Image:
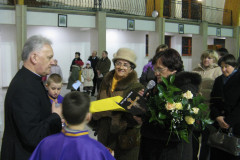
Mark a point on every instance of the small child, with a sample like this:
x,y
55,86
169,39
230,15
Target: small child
x,y
54,86
88,76
73,142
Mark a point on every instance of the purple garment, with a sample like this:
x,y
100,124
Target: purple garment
x,y
71,146
145,68
59,99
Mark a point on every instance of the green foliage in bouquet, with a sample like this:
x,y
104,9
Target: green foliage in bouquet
x,y
177,110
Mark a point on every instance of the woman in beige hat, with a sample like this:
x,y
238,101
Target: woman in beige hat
x,y
118,130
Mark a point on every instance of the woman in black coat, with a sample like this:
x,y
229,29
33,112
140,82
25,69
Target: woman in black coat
x,y
155,142
225,103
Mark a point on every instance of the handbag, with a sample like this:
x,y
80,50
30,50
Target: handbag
x,y
225,141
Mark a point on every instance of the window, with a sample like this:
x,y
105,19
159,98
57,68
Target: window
x,y
186,46
167,8
191,9
220,42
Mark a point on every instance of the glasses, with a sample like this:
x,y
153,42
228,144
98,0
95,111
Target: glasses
x,y
159,70
125,65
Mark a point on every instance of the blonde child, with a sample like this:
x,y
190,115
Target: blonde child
x,y
54,86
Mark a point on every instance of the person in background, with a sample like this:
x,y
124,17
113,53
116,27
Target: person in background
x,y
55,69
155,141
29,115
221,52
88,77
225,103
76,59
54,87
209,71
113,125
148,73
102,68
73,142
74,75
94,60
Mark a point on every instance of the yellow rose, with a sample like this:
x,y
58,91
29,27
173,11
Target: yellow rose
x,y
178,106
189,120
188,95
170,106
195,110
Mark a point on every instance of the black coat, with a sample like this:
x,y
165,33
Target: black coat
x,y
103,65
154,137
94,62
225,101
28,116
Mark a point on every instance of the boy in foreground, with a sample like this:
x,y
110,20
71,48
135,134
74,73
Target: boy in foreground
x,y
73,142
54,87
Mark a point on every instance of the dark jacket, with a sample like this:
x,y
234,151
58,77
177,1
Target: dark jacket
x,y
185,81
94,62
28,116
103,65
225,101
73,77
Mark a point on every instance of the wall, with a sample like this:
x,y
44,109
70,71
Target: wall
x,y
134,40
8,55
66,41
81,35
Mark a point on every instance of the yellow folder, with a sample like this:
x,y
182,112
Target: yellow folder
x,y
107,104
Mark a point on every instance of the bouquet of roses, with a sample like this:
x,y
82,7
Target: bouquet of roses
x,y
177,110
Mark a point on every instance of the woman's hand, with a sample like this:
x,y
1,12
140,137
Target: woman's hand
x,y
138,119
221,122
141,92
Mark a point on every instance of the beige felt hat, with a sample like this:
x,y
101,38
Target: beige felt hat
x,y
125,54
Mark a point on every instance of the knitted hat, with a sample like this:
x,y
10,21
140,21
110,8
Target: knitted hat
x,y
125,54
88,62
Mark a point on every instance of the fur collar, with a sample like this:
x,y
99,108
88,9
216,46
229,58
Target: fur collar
x,y
122,84
188,81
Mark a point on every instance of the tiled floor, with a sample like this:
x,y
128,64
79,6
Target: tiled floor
x,y
2,97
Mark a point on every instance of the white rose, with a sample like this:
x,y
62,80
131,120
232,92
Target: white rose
x,y
178,106
189,120
195,110
170,106
188,95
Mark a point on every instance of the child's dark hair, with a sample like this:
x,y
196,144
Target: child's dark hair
x,y
54,78
75,106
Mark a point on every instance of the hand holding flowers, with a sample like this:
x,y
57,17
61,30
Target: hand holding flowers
x,y
176,110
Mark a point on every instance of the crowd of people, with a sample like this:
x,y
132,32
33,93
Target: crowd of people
x,y
41,124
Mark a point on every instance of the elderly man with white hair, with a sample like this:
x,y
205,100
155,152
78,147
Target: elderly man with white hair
x,y
29,115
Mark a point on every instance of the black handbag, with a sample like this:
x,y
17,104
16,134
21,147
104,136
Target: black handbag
x,y
225,141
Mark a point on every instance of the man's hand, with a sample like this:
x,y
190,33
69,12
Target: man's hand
x,y
57,109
